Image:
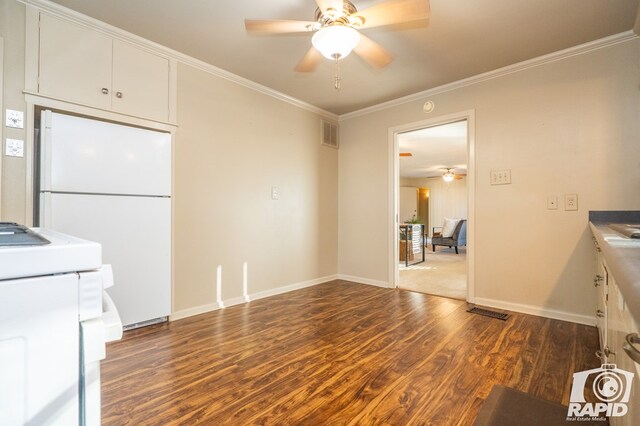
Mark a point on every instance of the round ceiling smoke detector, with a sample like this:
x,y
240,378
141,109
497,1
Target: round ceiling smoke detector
x,y
428,107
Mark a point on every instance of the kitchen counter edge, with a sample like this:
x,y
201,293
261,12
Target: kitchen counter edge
x,y
624,265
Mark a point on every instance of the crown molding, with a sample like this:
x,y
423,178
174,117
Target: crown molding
x,y
510,69
110,30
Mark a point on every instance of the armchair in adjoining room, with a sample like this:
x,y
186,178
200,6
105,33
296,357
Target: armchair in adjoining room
x,y
457,239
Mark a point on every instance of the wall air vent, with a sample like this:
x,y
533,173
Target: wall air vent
x,y
329,134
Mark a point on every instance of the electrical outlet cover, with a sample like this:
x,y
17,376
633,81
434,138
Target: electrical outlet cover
x,y
571,202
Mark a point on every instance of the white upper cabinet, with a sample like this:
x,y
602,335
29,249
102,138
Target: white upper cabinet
x,y
75,63
140,81
82,65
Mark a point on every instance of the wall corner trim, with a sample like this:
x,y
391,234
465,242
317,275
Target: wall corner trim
x,y
202,309
110,30
509,69
538,311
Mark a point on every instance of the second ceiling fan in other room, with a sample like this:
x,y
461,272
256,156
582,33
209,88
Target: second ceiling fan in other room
x,y
336,30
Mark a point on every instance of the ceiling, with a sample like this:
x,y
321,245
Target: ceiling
x,y
434,150
463,38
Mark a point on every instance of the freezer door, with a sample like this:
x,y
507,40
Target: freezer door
x,y
90,156
135,233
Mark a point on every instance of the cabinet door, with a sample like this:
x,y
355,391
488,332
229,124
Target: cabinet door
x,y
75,62
140,82
622,324
626,363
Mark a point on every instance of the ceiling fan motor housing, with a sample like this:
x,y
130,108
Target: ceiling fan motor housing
x,y
347,16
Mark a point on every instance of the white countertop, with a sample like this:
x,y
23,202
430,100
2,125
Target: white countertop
x,y
623,257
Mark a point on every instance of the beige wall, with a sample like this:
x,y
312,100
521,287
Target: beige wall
x,y
569,126
12,21
232,146
566,127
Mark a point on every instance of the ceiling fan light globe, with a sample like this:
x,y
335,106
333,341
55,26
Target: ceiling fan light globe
x,y
336,41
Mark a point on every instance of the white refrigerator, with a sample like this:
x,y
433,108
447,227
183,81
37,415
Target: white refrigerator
x,y
111,183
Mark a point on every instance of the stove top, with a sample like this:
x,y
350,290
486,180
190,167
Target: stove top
x,y
13,234
55,253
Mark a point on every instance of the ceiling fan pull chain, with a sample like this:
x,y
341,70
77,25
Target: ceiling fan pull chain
x,y
336,84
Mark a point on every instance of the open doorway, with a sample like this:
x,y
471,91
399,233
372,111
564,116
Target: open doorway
x,y
432,194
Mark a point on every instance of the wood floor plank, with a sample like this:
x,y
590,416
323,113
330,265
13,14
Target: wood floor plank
x,y
337,353
555,358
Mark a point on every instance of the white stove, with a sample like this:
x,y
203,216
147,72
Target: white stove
x,y
55,319
63,253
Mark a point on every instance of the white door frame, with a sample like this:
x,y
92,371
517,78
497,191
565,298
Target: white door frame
x,y
394,183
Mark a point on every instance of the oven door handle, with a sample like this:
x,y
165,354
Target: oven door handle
x,y
110,319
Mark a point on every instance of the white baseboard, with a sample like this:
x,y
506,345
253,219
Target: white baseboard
x,y
288,288
233,301
536,310
362,280
197,310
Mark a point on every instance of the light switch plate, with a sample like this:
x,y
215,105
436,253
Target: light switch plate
x,y
14,148
14,119
500,177
552,202
275,192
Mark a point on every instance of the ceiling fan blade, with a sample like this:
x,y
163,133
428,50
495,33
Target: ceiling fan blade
x,y
394,12
372,52
279,26
310,61
330,4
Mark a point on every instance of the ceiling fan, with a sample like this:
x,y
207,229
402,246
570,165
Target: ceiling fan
x,y
449,175
337,28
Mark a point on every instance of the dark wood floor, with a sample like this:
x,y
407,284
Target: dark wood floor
x,y
338,353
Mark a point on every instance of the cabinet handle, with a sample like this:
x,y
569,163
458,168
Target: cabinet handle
x,y
597,280
599,313
119,95
607,351
595,242
631,350
105,91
